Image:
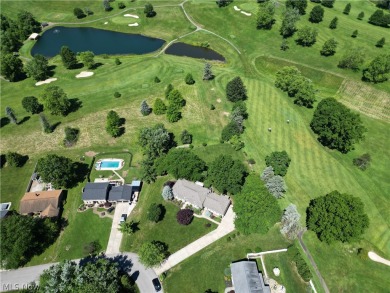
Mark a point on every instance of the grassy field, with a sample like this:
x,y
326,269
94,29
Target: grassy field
x,y
168,230
314,170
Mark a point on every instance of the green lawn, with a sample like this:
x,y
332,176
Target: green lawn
x,y
168,230
314,170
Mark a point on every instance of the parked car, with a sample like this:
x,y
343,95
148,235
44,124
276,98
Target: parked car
x,y
123,218
156,284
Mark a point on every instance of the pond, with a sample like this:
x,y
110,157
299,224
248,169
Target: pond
x,y
182,49
96,40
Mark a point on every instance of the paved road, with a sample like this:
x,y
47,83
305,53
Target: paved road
x,y
306,250
20,278
114,242
225,227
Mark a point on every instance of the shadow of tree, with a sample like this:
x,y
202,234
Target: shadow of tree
x,y
54,126
75,104
4,121
51,70
2,161
25,119
97,65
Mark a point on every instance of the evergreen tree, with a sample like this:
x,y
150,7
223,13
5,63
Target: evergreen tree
x,y
185,137
207,73
149,10
316,14
347,9
235,90
106,5
46,127
189,79
267,174
328,3
290,222
167,193
159,107
11,115
333,23
380,43
329,47
276,186
157,80
78,12
361,15
168,90
113,124
284,46
68,57
380,18
354,34
145,109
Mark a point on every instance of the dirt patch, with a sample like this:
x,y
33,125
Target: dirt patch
x,y
226,113
90,154
219,100
124,173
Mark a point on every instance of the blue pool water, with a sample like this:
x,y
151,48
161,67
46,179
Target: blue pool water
x,y
109,164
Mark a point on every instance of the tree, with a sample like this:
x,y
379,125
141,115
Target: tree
x,y
149,10
305,94
149,174
11,67
347,9
182,163
279,162
307,36
207,73
186,137
145,109
362,162
267,174
378,69
11,115
176,100
290,222
276,186
106,5
26,24
167,193
380,43
337,127
117,61
78,12
337,217
328,3
113,124
231,129
235,90
297,4
226,174
329,47
159,107
31,105
380,18
284,46
354,34
173,114
38,68
185,216
223,3
256,209
316,14
152,253
168,90
384,4
46,127
286,76
68,57
22,237
303,269
189,79
352,59
265,15
56,101
57,170
87,58
128,227
121,5
155,212
290,18
71,136
155,140
14,159
360,15
333,23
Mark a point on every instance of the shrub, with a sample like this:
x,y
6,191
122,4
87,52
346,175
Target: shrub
x,y
329,47
212,107
78,12
204,144
251,161
362,162
71,136
157,80
117,61
185,216
14,159
117,95
354,34
145,109
46,127
362,253
189,79
361,15
155,212
302,267
380,43
149,10
186,137
121,5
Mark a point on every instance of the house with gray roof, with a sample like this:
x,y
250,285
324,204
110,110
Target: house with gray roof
x,y
102,192
95,192
247,279
120,193
200,197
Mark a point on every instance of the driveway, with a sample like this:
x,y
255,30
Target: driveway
x,y
225,227
115,239
20,278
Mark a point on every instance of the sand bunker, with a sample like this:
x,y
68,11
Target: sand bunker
x,y
133,24
131,15
106,22
236,8
84,74
373,256
246,13
49,80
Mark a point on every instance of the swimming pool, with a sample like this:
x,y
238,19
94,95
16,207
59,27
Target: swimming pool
x,y
109,164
